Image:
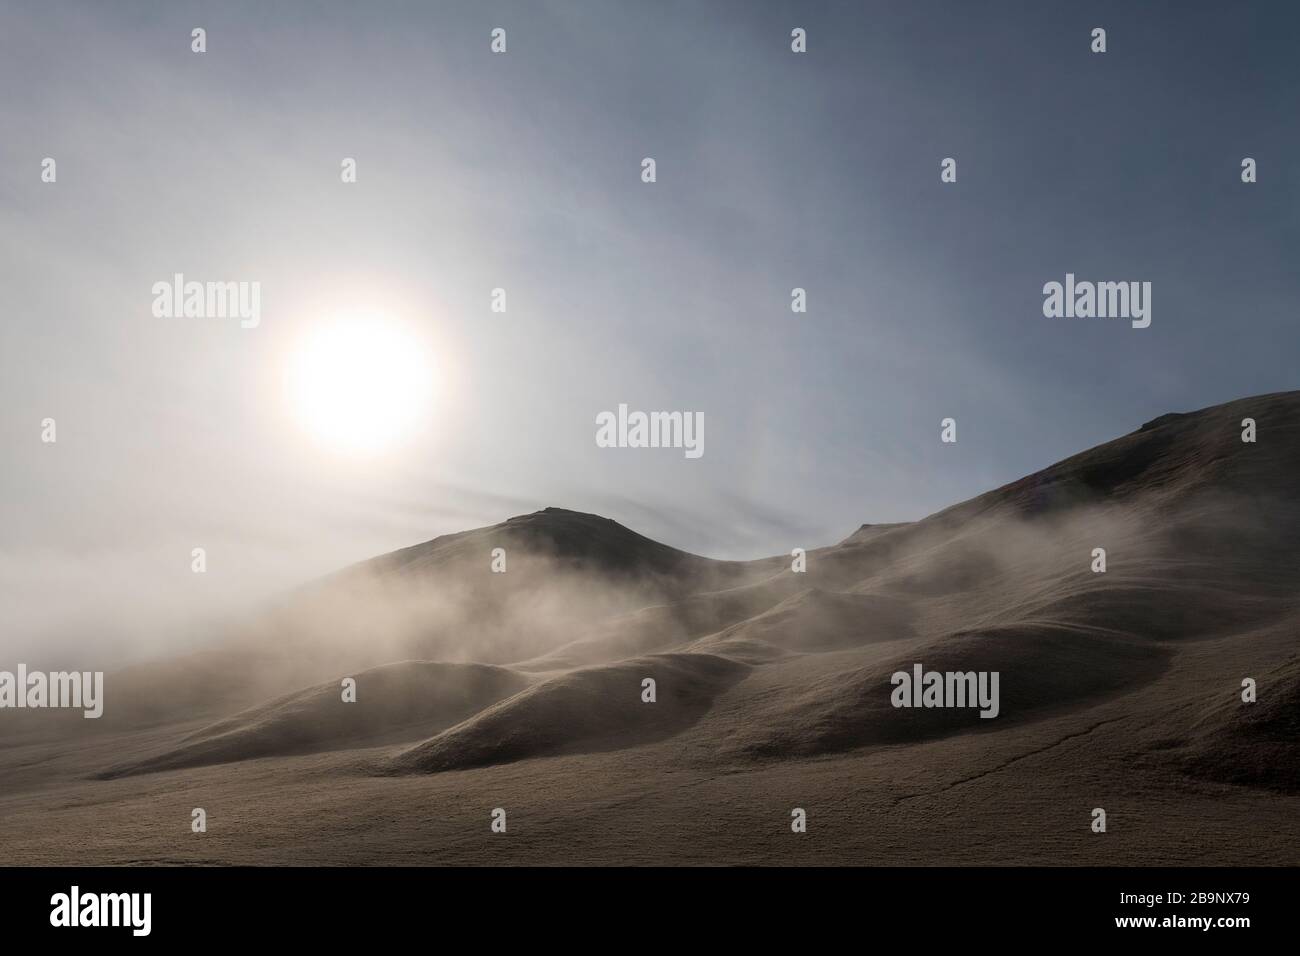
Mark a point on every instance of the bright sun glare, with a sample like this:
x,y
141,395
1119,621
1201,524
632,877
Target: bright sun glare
x,y
360,384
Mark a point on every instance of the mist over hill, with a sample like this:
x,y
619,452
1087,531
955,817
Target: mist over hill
x,y
567,667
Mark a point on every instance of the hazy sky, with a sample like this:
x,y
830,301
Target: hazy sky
x,y
522,171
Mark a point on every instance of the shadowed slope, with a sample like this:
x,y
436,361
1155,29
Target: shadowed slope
x,y
1042,669
1253,744
583,711
396,701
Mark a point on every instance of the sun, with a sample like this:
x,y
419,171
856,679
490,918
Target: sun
x,y
359,385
